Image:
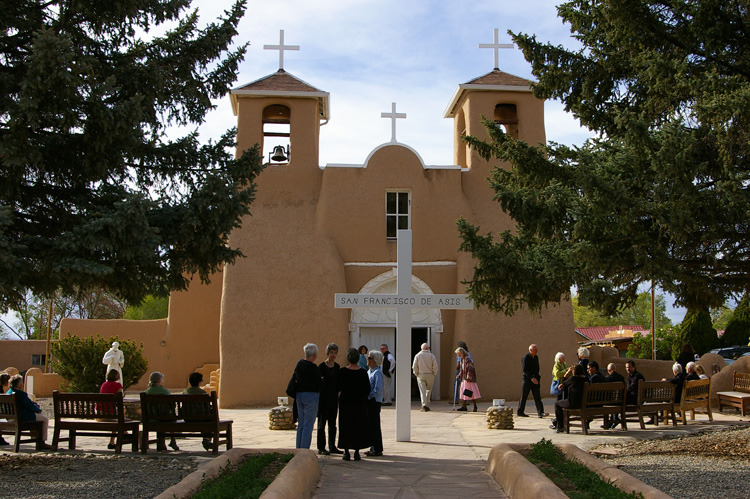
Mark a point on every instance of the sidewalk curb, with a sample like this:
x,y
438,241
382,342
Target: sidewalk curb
x,y
522,480
296,480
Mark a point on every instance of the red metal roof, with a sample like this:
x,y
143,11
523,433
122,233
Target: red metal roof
x,y
597,333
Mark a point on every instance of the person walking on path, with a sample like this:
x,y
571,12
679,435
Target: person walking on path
x,y
309,383
328,405
530,382
425,368
389,371
457,381
374,361
469,390
354,388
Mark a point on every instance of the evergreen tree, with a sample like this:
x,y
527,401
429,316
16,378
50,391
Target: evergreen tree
x,y
93,191
738,327
696,330
661,193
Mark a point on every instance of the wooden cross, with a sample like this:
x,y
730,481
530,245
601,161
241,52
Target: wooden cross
x,y
403,301
496,46
281,48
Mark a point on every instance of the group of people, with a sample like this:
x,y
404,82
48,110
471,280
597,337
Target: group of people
x,y
352,392
571,381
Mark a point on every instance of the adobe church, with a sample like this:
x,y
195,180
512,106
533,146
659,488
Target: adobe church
x,y
317,230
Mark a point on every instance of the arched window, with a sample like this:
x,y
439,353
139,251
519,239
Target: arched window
x,y
507,117
277,134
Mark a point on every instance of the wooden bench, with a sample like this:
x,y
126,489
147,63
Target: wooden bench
x,y
92,415
186,416
10,424
739,397
654,397
696,394
599,399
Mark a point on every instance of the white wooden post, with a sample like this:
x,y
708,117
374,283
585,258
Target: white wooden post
x,y
403,301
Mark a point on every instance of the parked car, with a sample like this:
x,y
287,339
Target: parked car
x,y
730,354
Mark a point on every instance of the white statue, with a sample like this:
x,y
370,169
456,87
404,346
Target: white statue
x,y
114,359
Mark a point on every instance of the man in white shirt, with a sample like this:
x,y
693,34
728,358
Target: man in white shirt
x,y
425,368
389,371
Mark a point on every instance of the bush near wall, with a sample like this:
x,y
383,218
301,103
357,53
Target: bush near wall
x,y
79,362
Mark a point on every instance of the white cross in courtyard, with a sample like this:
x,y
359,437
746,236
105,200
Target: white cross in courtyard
x,y
393,115
496,46
403,301
281,48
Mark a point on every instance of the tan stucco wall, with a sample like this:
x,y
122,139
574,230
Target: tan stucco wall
x,y
17,353
44,383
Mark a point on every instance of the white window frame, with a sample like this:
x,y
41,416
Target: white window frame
x,y
397,214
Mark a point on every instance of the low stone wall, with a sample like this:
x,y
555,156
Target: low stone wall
x,y
296,481
523,480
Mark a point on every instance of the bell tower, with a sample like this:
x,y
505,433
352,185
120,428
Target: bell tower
x,y
283,115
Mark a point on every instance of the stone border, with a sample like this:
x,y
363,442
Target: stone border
x,y
296,480
523,480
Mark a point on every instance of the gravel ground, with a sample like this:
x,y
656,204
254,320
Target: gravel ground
x,y
710,464
83,476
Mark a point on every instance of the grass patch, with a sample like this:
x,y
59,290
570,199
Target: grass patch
x,y
572,477
246,479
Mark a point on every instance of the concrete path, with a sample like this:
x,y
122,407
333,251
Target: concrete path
x,y
447,453
445,458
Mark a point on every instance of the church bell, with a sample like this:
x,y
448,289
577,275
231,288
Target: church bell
x,y
279,155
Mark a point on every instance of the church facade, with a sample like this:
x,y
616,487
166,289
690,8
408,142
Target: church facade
x,y
320,230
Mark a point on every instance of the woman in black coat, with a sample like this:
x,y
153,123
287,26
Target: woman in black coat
x,y
354,388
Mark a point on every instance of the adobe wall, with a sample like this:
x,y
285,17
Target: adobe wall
x,y
44,383
17,353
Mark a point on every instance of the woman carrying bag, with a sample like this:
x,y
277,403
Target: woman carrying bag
x,y
468,376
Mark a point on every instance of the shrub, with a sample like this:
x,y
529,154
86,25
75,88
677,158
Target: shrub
x,y
79,362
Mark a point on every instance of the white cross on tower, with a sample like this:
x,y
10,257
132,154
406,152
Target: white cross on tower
x,y
496,46
403,301
393,115
281,48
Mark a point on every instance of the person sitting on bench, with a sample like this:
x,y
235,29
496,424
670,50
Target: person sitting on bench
x,y
28,410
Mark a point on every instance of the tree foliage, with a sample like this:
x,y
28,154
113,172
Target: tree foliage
x,y
738,328
94,193
661,193
666,339
696,330
31,314
637,314
79,362
720,316
152,307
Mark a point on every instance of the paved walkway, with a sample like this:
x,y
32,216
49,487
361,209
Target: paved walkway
x,y
445,458
447,453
